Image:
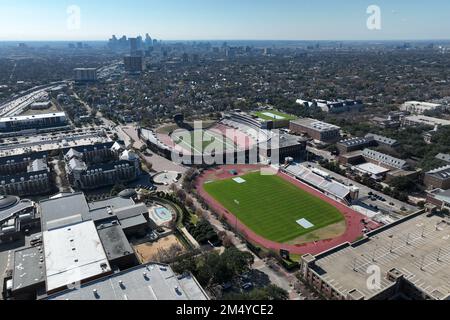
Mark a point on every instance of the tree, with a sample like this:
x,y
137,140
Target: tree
x,y
117,189
185,265
239,261
276,293
269,293
213,268
403,184
181,195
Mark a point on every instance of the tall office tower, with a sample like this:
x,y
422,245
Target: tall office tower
x,y
134,64
267,51
133,45
148,40
112,43
85,74
139,42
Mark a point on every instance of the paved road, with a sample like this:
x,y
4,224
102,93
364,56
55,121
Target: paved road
x,y
159,163
16,106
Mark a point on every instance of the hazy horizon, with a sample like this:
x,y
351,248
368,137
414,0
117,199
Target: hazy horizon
x,y
220,20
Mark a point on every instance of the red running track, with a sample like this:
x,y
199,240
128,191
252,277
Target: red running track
x,y
353,219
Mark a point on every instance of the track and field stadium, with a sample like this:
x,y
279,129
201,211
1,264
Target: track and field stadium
x,y
235,137
278,211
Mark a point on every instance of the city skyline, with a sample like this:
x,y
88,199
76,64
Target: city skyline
x,y
51,20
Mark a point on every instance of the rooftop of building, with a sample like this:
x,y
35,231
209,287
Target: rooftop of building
x,y
23,176
440,173
372,169
106,166
316,124
97,146
34,117
422,104
442,195
70,208
22,158
145,282
384,158
43,143
29,268
73,253
132,215
351,142
418,248
444,157
284,141
38,165
114,203
12,205
381,139
428,120
62,210
114,241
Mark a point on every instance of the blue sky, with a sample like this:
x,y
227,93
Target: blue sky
x,y
225,19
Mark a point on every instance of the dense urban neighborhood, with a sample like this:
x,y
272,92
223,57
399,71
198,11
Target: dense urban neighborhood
x,y
141,169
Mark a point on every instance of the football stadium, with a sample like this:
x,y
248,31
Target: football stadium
x,y
235,136
197,141
278,211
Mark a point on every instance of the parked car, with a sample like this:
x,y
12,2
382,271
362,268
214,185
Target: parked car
x,y
247,286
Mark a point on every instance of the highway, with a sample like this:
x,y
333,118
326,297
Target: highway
x,y
18,105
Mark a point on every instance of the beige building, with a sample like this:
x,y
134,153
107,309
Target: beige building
x,y
409,259
317,130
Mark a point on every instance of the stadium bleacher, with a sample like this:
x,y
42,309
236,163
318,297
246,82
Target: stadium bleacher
x,y
328,187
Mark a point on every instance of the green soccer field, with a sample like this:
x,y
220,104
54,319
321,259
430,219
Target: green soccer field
x,y
271,206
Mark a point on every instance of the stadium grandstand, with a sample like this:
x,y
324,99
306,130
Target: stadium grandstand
x,y
248,125
329,187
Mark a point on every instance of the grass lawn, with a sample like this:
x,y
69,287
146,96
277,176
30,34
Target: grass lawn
x,y
199,140
271,206
274,115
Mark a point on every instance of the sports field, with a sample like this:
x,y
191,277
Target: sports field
x,y
273,207
274,115
196,141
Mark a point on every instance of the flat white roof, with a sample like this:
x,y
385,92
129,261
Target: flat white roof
x,y
428,120
72,254
372,168
32,117
422,104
